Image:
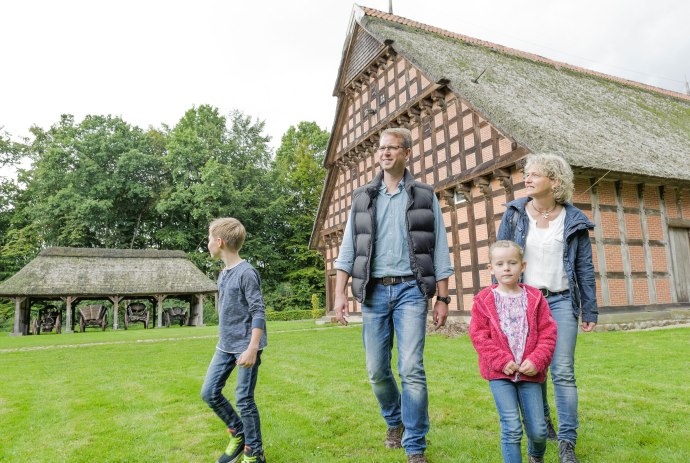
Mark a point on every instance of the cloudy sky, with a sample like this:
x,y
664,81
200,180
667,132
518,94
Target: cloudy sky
x,y
149,61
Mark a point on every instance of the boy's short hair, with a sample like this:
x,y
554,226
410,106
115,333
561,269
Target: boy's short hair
x,y
230,230
506,244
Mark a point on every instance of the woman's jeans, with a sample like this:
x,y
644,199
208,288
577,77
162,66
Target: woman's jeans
x,y
563,368
398,311
247,422
511,399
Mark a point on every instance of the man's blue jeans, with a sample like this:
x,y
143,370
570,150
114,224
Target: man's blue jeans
x,y
398,311
563,368
247,422
511,399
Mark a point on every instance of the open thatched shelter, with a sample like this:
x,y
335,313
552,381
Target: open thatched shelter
x,y
74,274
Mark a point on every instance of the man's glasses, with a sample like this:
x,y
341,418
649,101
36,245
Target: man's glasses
x,y
382,149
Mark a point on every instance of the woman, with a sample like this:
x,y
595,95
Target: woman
x,y
555,236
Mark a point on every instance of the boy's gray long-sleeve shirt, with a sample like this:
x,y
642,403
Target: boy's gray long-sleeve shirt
x,y
240,308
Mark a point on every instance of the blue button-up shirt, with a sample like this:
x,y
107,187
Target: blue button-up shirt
x,y
391,251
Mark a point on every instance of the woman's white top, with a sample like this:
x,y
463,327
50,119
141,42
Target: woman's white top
x,y
544,255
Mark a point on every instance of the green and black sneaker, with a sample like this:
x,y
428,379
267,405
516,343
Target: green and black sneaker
x,y
234,451
253,456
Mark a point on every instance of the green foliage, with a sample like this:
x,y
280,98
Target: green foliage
x,y
298,177
6,316
287,315
104,183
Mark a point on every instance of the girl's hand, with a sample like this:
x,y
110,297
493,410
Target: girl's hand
x,y
528,368
510,368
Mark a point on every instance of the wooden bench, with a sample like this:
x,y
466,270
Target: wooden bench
x,y
93,315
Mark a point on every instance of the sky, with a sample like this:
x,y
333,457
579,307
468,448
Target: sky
x,y
149,61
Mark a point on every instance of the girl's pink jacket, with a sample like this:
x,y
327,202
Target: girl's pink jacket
x,y
492,345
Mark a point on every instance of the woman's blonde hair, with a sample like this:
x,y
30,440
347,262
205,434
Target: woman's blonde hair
x,y
557,169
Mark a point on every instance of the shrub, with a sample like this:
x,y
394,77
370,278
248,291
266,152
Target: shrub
x,y
285,315
6,316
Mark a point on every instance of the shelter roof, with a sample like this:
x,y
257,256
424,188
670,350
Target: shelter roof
x,y
103,272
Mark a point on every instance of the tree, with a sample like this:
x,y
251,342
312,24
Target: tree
x,y
90,185
218,167
298,175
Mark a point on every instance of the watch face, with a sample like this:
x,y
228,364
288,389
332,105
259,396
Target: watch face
x,y
444,299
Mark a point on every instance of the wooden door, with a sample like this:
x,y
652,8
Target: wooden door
x,y
680,255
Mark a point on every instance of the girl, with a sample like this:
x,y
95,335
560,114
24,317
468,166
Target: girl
x,y
515,336
555,237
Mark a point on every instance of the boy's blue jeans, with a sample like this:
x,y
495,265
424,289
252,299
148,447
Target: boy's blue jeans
x,y
247,422
563,368
511,399
398,311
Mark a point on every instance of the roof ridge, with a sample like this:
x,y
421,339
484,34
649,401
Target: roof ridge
x,y
110,252
513,51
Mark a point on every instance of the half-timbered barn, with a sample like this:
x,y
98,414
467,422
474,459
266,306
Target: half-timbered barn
x,y
72,275
476,109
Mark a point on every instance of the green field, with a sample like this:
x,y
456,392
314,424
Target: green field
x,y
133,396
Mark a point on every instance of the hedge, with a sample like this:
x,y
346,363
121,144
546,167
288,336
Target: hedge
x,y
285,315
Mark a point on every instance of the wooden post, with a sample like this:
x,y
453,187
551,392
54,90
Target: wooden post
x,y
667,243
116,303
449,196
625,250
199,315
649,267
21,322
159,319
599,243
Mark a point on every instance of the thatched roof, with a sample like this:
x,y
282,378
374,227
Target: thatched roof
x,y
107,272
593,120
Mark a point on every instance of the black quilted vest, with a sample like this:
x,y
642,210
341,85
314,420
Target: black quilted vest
x,y
420,233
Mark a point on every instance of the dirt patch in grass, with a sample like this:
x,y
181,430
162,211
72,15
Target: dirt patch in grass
x,y
452,329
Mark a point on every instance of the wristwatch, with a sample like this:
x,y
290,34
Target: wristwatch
x,y
445,299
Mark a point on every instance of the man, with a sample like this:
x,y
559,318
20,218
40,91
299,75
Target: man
x,y
396,250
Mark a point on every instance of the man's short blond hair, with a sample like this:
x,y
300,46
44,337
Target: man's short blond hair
x,y
402,134
230,230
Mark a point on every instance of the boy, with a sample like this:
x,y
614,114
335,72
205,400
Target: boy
x,y
242,336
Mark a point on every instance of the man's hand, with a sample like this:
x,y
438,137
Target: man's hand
x,y
588,326
440,314
341,308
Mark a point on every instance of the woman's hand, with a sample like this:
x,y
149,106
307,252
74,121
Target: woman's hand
x,y
588,326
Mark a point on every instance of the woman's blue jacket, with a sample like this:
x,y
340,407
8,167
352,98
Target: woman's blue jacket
x,y
577,252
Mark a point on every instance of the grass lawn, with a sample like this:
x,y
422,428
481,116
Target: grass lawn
x,y
133,396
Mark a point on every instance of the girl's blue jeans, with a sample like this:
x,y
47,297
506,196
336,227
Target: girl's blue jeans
x,y
563,368
512,399
398,311
247,421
